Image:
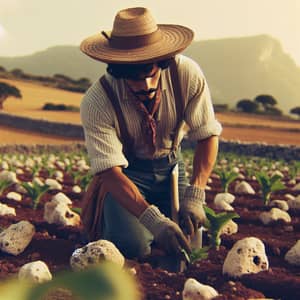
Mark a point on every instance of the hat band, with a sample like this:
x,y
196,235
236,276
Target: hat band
x,y
131,42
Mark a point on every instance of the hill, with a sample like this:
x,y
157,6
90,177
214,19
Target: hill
x,y
236,68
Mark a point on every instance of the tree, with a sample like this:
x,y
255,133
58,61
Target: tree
x,y
247,105
296,111
7,90
266,101
275,111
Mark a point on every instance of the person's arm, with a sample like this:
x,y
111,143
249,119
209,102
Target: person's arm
x,y
167,234
124,190
106,157
204,160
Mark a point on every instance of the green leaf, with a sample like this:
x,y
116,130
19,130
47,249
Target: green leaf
x,y
105,281
198,254
77,210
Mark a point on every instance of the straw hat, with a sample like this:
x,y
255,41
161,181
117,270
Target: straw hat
x,y
136,38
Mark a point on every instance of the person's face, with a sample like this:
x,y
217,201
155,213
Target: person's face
x,y
146,84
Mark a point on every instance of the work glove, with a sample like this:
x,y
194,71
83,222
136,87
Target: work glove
x,y
191,212
166,233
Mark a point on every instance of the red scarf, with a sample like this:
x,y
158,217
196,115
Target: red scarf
x,y
149,115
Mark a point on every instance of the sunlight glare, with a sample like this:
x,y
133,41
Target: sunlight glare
x,y
2,32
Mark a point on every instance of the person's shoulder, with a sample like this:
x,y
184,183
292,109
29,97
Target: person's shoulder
x,y
95,93
187,67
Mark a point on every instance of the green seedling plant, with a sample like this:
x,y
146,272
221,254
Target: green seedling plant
x,y
82,180
35,192
4,184
269,184
294,170
196,254
103,281
226,177
214,223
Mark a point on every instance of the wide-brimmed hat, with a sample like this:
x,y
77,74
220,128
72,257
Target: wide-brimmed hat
x,y
136,38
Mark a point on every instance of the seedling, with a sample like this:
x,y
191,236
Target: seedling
x,y
214,224
294,170
226,178
35,192
268,185
4,184
77,210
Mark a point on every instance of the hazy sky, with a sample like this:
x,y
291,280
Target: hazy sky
x,y
27,26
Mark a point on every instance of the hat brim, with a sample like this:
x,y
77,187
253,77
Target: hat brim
x,y
174,39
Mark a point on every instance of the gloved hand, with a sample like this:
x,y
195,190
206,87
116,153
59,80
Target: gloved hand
x,y
166,233
191,212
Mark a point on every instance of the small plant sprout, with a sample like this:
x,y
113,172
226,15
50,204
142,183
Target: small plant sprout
x,y
226,177
35,192
268,185
294,170
4,184
214,224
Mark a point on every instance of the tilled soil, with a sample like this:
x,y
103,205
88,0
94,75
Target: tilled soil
x,y
54,245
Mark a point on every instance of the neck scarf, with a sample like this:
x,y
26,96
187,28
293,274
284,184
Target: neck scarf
x,y
148,111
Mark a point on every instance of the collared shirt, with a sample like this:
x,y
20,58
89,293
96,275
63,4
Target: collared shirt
x,y
101,128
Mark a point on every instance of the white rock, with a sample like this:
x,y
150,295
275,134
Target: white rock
x,y
4,165
16,237
20,189
60,164
222,205
222,201
194,290
241,176
94,253
236,170
38,181
36,271
246,256
227,197
296,187
53,184
60,214
76,189
9,176
293,255
294,203
229,228
61,198
19,171
289,197
82,165
277,172
14,196
6,210
275,214
281,204
244,187
59,175
292,181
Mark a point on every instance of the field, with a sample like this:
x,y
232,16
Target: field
x,y
235,126
54,240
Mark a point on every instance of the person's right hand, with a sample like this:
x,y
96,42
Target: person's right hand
x,y
166,233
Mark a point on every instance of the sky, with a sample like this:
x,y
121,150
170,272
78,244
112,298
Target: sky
x,y
28,26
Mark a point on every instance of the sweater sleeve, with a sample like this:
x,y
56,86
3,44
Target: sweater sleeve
x,y
199,112
99,123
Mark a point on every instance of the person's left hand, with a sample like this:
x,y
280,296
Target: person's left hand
x,y
191,212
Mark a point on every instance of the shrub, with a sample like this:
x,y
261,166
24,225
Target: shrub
x,y
59,107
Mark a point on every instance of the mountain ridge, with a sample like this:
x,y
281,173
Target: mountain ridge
x,y
236,68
